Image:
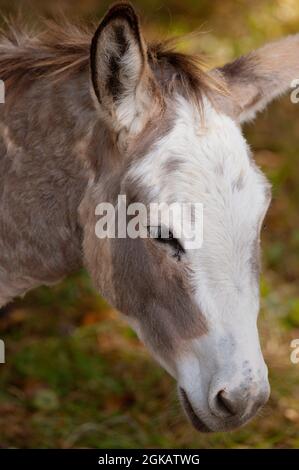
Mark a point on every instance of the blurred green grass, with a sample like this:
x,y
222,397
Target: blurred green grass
x,y
76,376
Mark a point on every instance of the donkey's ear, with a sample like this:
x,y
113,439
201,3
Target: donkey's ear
x,y
256,79
122,80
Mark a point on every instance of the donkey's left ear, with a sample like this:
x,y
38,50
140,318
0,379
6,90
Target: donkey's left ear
x,y
256,79
122,79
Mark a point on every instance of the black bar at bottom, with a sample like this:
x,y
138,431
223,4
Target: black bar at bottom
x,y
131,459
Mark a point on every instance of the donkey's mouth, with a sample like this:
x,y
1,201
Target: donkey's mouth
x,y
194,419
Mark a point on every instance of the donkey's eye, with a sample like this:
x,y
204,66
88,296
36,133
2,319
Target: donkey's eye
x,y
164,235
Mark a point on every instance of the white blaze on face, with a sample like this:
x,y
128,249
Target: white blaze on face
x,y
213,167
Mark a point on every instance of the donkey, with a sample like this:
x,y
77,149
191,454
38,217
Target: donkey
x,y
88,118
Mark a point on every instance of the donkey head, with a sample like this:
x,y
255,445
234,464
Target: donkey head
x,y
169,137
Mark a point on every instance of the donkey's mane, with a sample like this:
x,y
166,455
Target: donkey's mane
x,y
62,51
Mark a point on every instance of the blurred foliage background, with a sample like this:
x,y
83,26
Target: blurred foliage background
x,y
76,376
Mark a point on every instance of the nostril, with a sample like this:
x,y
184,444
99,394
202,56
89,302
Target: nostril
x,y
225,404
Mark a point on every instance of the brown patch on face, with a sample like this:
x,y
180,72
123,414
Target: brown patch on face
x,y
154,288
144,281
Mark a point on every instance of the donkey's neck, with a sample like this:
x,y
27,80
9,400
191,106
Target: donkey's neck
x,y
47,138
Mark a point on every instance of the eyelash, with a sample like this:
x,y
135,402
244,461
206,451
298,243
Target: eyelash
x,y
170,240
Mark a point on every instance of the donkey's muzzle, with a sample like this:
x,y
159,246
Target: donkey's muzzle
x,y
237,402
228,408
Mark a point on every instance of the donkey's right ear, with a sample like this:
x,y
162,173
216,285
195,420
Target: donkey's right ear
x,y
121,76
